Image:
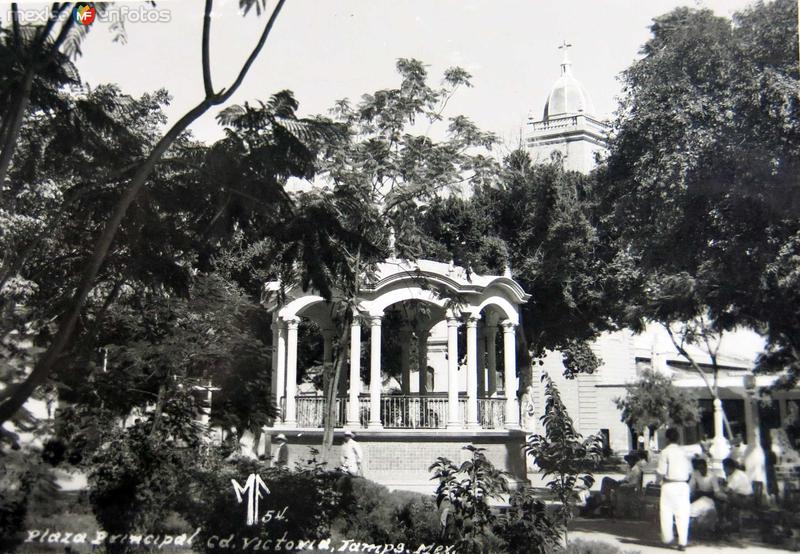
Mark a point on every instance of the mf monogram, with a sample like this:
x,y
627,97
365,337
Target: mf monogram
x,y
253,487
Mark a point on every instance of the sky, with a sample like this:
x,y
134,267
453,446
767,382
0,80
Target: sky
x,y
325,50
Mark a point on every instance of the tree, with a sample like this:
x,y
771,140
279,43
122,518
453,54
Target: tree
x,y
701,185
563,453
16,395
653,401
383,168
37,62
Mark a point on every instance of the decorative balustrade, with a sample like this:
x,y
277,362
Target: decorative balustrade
x,y
550,125
491,413
311,411
402,411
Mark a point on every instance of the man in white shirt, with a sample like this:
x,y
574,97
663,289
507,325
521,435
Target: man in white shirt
x,y
352,455
674,470
736,481
735,493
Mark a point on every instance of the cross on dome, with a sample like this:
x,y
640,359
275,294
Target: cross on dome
x,y
565,63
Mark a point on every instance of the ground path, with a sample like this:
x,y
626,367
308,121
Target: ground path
x,y
643,537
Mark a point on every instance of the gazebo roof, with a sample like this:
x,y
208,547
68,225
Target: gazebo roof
x,y
425,280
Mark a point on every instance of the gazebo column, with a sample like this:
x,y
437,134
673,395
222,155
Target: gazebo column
x,y
453,421
280,367
291,372
481,362
375,373
353,419
405,367
422,359
491,359
472,372
510,362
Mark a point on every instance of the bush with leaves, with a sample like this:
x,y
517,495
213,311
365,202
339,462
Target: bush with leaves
x,y
308,494
562,453
136,477
23,478
466,490
527,528
372,514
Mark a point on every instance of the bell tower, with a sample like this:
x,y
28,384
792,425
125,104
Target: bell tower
x,y
568,125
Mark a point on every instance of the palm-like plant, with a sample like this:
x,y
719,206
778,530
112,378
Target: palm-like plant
x,y
468,489
562,453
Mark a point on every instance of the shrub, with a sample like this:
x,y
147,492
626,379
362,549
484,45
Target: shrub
x,y
135,480
562,453
370,513
465,491
419,519
308,493
526,527
23,479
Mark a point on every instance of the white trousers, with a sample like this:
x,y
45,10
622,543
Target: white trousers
x,y
675,504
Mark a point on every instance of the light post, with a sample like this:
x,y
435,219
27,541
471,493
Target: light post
x,y
755,459
720,447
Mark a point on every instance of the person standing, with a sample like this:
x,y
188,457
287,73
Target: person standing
x,y
280,452
674,471
352,455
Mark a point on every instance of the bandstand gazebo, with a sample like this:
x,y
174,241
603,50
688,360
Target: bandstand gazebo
x,y
446,400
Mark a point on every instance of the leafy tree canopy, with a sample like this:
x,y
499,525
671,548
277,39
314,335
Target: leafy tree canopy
x,y
701,186
653,401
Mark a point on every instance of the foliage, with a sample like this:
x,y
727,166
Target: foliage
x,y
527,527
653,401
562,453
537,219
370,513
466,490
308,493
24,479
135,479
701,185
100,245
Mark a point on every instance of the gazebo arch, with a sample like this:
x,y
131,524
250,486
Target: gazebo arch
x,y
463,297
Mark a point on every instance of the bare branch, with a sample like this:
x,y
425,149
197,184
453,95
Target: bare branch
x,y
209,88
223,96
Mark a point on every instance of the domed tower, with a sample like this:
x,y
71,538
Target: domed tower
x,y
568,124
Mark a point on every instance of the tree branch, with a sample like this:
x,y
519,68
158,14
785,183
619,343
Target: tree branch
x,y
224,96
206,57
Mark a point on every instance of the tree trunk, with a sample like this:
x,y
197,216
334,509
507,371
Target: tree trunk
x,y
14,124
332,387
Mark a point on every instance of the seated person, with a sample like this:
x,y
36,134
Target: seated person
x,y
632,481
735,492
737,486
703,487
702,483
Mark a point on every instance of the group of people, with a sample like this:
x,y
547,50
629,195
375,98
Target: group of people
x,y
689,491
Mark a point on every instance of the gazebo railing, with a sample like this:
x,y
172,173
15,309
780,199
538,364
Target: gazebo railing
x,y
311,411
491,413
402,411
